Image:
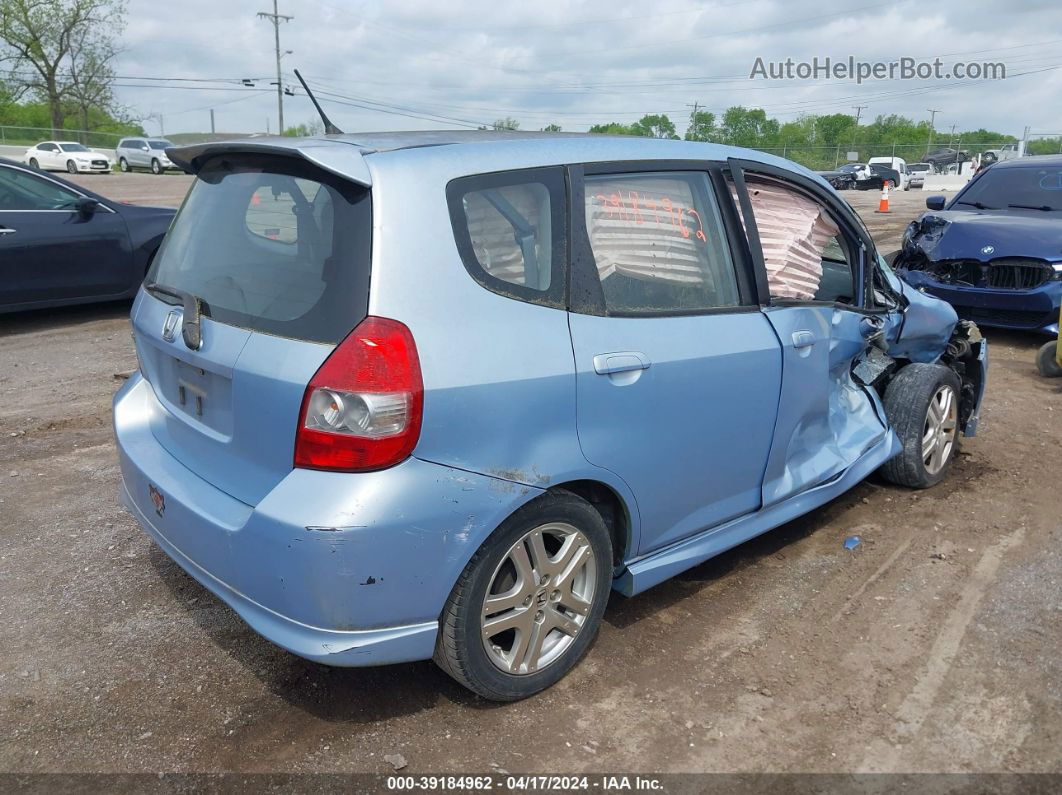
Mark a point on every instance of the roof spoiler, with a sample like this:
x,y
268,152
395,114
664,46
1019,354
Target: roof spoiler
x,y
342,158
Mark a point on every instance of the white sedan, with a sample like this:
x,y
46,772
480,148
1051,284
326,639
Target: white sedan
x,y
68,156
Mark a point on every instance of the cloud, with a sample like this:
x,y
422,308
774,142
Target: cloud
x,y
414,64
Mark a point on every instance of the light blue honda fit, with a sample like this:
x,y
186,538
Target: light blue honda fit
x,y
435,395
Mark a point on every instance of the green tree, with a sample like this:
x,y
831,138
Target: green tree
x,y
701,127
613,128
553,127
655,126
748,127
57,48
508,123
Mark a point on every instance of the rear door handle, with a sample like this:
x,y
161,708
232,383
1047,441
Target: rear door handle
x,y
620,362
6,231
803,339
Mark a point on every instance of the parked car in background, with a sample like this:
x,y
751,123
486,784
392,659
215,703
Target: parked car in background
x,y
900,177
886,174
839,180
69,156
147,153
865,179
918,172
62,244
995,250
941,158
665,348
1005,152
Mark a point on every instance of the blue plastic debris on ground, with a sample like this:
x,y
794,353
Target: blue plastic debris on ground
x,y
852,542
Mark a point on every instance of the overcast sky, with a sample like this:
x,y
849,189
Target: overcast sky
x,y
578,62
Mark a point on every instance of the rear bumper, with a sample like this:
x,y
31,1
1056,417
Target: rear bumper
x,y
343,569
333,647
1027,310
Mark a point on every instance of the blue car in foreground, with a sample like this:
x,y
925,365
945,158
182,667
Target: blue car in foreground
x,y
994,252
435,395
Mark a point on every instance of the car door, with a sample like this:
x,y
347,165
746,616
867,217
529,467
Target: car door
x,y
677,370
812,258
140,156
44,155
49,250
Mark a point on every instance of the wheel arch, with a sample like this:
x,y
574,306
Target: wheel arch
x,y
614,511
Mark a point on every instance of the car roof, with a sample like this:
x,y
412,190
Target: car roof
x,y
1032,161
465,147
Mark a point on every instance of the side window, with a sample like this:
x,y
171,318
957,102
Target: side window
x,y
658,243
510,232
47,147
22,191
807,256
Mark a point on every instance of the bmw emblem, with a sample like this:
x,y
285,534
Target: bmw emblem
x,y
988,249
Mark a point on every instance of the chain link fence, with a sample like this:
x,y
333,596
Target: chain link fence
x,y
18,136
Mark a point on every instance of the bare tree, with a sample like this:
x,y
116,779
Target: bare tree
x,y
48,42
91,74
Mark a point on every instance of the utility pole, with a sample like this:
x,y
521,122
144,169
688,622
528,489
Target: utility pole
x,y
859,112
932,119
276,18
693,118
211,121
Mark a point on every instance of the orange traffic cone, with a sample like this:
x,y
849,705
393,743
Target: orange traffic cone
x,y
883,203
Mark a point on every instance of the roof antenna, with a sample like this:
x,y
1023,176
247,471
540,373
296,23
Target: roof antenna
x,y
330,129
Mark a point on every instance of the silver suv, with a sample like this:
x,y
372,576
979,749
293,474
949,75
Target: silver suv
x,y
144,153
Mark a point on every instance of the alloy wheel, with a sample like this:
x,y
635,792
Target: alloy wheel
x,y
539,598
938,436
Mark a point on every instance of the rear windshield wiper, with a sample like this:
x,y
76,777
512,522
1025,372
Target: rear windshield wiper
x,y
1043,207
193,307
978,205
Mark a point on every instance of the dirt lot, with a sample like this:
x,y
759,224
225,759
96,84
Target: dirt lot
x,y
933,646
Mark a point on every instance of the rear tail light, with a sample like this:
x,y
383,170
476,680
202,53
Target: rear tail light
x,y
362,409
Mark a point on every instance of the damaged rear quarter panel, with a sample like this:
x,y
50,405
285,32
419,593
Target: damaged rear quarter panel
x,y
390,544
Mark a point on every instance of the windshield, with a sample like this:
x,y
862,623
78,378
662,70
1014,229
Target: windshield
x,y
159,144
850,168
274,245
74,148
999,187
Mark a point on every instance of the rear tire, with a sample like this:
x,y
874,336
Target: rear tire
x,y
565,583
71,167
922,404
34,164
156,167
123,166
1047,360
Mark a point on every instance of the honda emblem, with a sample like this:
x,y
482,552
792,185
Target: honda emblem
x,y
169,328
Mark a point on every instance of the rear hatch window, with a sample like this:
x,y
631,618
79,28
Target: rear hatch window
x,y
278,252
273,245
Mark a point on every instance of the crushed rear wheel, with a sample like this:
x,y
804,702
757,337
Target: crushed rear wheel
x,y
922,404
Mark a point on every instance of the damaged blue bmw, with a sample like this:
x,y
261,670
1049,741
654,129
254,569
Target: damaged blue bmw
x,y
435,395
995,251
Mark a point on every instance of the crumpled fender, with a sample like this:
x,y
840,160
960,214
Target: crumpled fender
x,y
922,332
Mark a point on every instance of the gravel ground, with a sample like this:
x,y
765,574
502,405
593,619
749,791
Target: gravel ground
x,y
933,646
